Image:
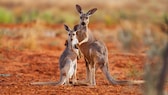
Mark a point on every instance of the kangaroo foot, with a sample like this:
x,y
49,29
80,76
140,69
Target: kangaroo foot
x,y
81,83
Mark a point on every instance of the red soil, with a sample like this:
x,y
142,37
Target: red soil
x,y
26,66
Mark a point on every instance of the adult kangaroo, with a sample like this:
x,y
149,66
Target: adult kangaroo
x,y
95,51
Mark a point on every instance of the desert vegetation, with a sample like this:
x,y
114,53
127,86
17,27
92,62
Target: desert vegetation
x,y
32,38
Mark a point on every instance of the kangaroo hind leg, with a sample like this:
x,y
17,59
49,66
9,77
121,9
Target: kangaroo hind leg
x,y
74,79
88,71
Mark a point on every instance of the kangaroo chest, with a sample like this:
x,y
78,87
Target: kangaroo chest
x,y
85,49
81,36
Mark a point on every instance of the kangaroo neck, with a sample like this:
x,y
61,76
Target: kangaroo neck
x,y
84,28
85,32
71,46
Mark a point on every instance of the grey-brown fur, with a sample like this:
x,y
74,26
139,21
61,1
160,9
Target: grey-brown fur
x,y
95,52
67,61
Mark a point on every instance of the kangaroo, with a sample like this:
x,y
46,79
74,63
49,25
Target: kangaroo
x,y
95,52
67,61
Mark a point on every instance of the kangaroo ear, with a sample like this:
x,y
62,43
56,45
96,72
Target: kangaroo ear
x,y
78,8
66,28
76,27
90,12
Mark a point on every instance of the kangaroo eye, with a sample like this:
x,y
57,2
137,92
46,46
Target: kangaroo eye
x,y
86,17
80,17
69,34
73,34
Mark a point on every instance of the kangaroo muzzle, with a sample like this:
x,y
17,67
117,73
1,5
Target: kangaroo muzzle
x,y
83,23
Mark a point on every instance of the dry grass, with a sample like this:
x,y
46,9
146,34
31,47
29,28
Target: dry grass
x,y
59,12
122,14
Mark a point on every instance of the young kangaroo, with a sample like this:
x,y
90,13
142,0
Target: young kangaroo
x,y
95,52
67,61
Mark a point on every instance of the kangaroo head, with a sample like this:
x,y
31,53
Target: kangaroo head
x,y
84,17
71,34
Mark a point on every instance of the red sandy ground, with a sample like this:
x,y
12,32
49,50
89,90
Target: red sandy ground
x,y
28,66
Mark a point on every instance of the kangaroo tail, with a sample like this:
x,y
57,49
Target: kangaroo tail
x,y
44,83
136,82
61,82
122,82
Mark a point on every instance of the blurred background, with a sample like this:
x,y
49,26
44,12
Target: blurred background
x,y
48,16
134,26
109,11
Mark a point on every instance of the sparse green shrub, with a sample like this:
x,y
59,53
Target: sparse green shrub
x,y
122,15
57,17
54,43
127,15
47,16
66,17
129,39
156,42
29,40
27,16
110,19
6,16
133,72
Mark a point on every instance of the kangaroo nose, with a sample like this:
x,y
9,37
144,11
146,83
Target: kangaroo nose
x,y
83,23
